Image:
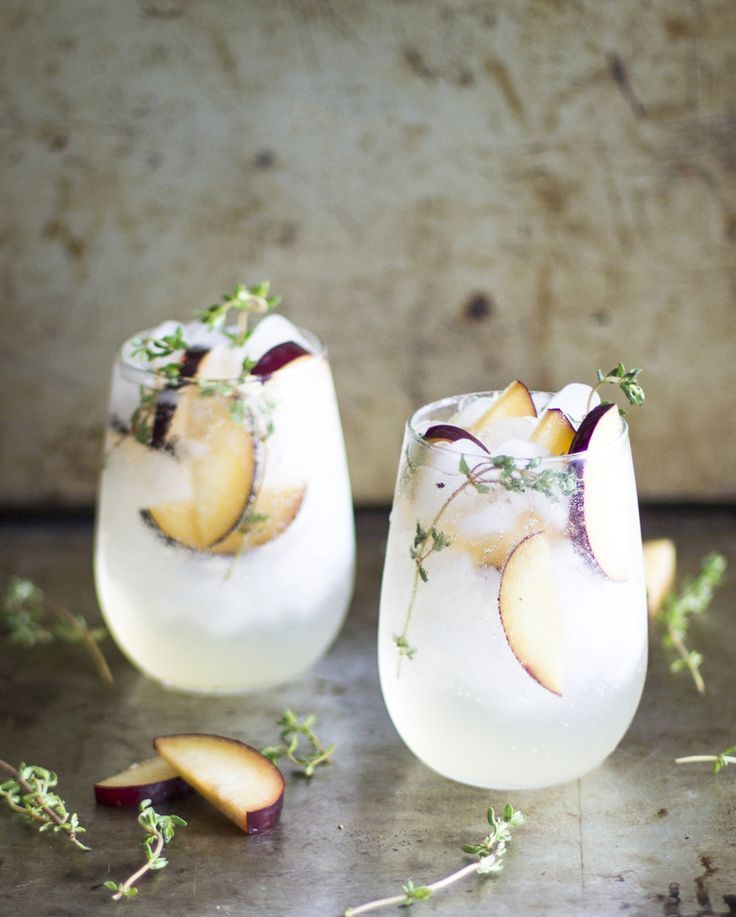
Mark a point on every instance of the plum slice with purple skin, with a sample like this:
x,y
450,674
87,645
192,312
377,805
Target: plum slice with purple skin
x,y
153,779
237,779
598,509
279,356
168,397
449,433
554,431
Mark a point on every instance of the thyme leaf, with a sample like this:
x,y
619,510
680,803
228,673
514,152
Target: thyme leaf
x,y
159,830
292,732
490,852
694,598
30,791
23,617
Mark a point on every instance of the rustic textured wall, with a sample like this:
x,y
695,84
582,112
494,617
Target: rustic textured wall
x,y
452,193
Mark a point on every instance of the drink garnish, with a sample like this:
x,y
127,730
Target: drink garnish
x,y
490,852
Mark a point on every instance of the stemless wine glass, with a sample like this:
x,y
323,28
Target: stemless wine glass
x,y
513,629
224,549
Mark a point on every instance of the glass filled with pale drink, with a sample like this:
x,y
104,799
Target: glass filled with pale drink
x,y
224,548
513,626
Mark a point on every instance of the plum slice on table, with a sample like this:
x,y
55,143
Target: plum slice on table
x,y
237,779
660,566
221,455
530,610
599,508
271,513
153,779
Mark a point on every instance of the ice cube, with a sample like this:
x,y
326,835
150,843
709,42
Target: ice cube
x,y
507,428
521,449
572,400
273,330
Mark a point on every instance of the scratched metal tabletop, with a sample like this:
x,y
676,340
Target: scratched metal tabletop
x,y
638,836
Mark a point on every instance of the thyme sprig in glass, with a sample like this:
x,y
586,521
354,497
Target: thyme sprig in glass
x,y
24,614
496,471
159,830
30,791
625,379
243,300
693,599
292,734
490,852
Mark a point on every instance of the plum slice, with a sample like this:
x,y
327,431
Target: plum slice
x,y
514,401
554,431
221,457
271,513
530,610
492,549
599,508
449,433
237,779
278,356
660,565
153,779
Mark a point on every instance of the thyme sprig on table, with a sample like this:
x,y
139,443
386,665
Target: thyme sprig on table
x,y
23,617
726,757
693,599
490,852
292,733
30,792
159,830
625,379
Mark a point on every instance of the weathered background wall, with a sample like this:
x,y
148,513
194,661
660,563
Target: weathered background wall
x,y
453,194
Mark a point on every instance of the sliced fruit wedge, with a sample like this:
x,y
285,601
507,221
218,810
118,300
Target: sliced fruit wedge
x,y
271,513
153,779
221,455
554,431
492,550
278,356
531,614
660,566
449,433
514,401
237,779
598,510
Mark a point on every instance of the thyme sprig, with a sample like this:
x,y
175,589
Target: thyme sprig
x,y
292,732
244,300
726,757
150,348
30,791
490,852
23,615
625,379
694,598
159,830
499,470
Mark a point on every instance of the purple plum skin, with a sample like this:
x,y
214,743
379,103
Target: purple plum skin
x,y
265,819
134,794
278,356
448,431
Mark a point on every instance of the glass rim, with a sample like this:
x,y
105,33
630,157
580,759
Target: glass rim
x,y
453,400
137,372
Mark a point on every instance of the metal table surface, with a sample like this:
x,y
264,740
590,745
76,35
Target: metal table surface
x,y
637,836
